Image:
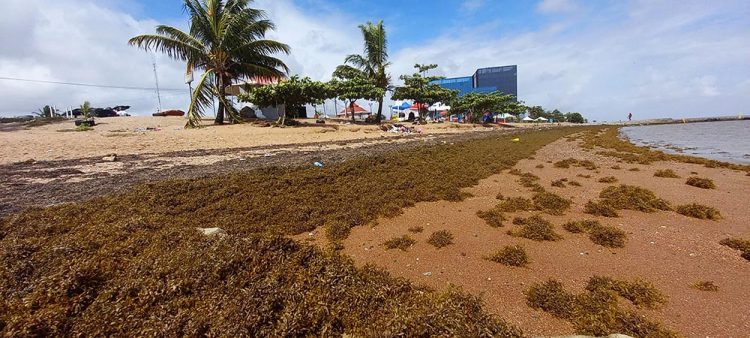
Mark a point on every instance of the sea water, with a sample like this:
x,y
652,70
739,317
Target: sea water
x,y
727,141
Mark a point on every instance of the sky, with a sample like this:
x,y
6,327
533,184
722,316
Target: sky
x,y
605,59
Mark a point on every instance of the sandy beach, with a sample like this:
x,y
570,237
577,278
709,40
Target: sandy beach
x,y
671,250
154,135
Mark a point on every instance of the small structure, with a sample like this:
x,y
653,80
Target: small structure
x,y
357,110
271,113
541,119
528,119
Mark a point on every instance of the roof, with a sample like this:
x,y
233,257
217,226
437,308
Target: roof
x,y
358,110
236,89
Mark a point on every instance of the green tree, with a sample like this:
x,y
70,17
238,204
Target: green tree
x,y
293,92
46,112
557,116
422,89
350,85
576,118
227,42
374,62
476,104
536,112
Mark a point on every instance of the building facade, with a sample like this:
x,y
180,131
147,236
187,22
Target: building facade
x,y
485,80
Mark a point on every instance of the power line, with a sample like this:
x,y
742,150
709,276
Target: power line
x,y
88,84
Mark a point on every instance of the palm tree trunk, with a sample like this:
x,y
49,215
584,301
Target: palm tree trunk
x,y
380,109
222,93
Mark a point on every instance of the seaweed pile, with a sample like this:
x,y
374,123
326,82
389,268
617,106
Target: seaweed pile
x,y
134,263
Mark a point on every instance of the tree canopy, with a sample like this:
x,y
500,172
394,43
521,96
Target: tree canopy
x,y
423,89
351,85
476,104
293,92
227,42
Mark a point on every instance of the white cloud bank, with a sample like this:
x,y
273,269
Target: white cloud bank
x,y
653,58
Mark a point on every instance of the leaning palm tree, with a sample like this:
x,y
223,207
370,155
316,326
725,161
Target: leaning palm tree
x,y
227,42
374,62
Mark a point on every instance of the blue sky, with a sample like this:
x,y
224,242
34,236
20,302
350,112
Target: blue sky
x,y
654,58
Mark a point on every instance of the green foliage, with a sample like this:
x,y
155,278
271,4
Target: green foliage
x,y
86,109
608,179
631,197
294,92
440,239
608,236
699,182
639,292
699,211
402,243
567,163
596,311
515,204
537,229
423,89
511,256
575,118
667,173
737,244
600,208
494,217
227,41
350,85
46,112
476,104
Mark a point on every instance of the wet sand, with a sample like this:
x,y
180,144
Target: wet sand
x,y
666,248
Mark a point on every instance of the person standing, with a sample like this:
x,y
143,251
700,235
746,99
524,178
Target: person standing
x,y
630,116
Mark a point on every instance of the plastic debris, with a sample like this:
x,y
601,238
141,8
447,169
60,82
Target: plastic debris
x,y
319,165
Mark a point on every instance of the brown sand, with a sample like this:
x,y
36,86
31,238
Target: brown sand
x,y
668,249
128,136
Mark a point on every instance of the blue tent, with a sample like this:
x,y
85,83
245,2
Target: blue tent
x,y
403,106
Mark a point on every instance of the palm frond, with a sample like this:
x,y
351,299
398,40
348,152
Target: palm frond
x,y
201,99
175,49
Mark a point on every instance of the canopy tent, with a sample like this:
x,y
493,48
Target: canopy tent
x,y
541,119
439,107
528,119
402,106
358,110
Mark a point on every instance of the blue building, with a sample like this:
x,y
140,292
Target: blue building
x,y
485,80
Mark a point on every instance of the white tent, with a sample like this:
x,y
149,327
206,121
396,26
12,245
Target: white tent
x,y
541,119
528,119
439,107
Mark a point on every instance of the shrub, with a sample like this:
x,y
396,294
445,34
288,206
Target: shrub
x,y
551,203
416,229
639,292
703,183
608,179
666,173
494,217
737,244
699,211
511,256
633,198
705,286
600,209
608,236
537,229
440,239
515,204
402,243
337,231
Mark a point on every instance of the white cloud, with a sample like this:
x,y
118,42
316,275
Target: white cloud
x,y
472,5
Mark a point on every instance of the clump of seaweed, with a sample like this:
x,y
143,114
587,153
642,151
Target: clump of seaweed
x,y
641,293
402,243
705,286
493,217
608,236
515,204
551,203
604,235
440,239
511,256
594,312
578,227
616,167
499,196
583,176
537,229
666,173
575,183
540,166
600,208
634,169
699,211
567,163
631,197
608,179
699,182
559,183
738,244
416,229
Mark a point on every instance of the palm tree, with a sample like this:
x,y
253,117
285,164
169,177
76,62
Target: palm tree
x,y
227,42
374,62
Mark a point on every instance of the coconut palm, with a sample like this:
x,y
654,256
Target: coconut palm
x,y
374,62
227,42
